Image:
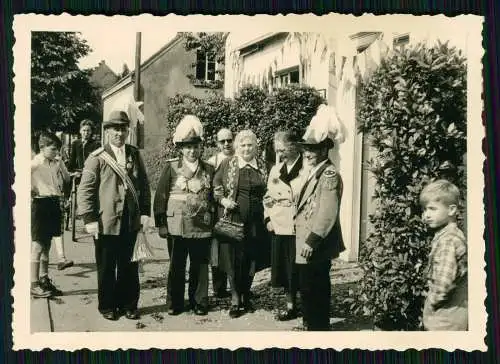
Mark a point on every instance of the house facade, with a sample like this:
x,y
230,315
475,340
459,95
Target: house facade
x,y
334,64
170,71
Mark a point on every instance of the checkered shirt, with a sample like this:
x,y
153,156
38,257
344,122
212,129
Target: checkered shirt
x,y
447,263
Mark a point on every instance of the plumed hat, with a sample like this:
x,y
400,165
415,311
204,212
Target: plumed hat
x,y
188,131
325,129
116,117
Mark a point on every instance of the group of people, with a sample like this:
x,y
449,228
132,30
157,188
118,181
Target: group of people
x,y
296,204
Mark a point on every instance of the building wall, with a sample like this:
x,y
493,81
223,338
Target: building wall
x,y
282,54
123,94
103,77
164,78
276,55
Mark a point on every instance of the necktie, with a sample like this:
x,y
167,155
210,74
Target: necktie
x,y
121,158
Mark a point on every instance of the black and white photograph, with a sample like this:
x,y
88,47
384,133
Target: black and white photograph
x,y
235,181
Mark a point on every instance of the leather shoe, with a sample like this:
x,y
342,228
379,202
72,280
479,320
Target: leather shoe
x,y
235,311
286,315
248,307
174,311
132,314
200,310
111,315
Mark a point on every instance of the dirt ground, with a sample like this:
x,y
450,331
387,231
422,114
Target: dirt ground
x,y
76,310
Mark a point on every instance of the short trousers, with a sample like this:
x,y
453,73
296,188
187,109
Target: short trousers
x,y
46,217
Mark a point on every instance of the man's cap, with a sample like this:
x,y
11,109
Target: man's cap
x,y
116,118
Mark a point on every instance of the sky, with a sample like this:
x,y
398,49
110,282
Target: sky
x,y
116,48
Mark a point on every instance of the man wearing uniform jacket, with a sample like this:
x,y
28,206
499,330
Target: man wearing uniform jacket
x,y
317,225
111,215
183,211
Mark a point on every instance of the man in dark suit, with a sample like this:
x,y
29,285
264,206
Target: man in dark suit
x,y
81,148
114,200
317,225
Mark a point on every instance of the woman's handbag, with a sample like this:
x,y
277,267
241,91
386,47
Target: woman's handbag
x,y
228,229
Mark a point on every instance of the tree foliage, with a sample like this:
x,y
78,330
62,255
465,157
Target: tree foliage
x,y
207,43
289,108
125,70
413,110
61,94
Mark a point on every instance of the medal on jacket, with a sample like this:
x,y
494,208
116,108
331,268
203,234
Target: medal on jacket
x,y
194,185
181,182
128,166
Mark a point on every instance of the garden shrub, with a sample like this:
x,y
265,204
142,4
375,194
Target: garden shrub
x,y
413,111
253,108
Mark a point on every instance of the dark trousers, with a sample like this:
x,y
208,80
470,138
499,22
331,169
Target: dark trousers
x,y
198,251
117,276
315,292
283,267
241,277
219,280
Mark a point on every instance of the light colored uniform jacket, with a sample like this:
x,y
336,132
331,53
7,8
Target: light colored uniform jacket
x,y
102,195
184,200
281,198
317,218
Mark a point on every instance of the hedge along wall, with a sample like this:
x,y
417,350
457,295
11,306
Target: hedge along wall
x,y
289,108
413,110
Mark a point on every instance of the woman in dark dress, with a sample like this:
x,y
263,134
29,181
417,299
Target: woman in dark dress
x,y
239,187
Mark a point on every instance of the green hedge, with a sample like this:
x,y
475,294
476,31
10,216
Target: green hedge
x,y
413,110
289,108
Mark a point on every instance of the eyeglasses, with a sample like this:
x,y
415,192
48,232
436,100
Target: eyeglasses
x,y
228,141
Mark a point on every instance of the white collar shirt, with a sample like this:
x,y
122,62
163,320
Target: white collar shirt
x,y
120,155
193,166
289,167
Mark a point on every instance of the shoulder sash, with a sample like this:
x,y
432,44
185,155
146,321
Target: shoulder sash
x,y
124,177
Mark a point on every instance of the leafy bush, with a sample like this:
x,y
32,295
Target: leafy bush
x,y
291,107
413,110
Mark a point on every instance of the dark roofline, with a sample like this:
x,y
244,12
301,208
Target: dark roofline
x,y
147,62
260,41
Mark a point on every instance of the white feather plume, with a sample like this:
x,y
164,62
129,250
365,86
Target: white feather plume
x,y
325,123
188,125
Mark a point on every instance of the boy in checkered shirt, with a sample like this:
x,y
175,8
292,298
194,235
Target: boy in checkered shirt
x,y
445,307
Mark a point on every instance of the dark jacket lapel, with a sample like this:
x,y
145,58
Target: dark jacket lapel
x,y
108,149
287,176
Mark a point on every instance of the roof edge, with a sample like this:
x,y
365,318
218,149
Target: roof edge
x,y
126,80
